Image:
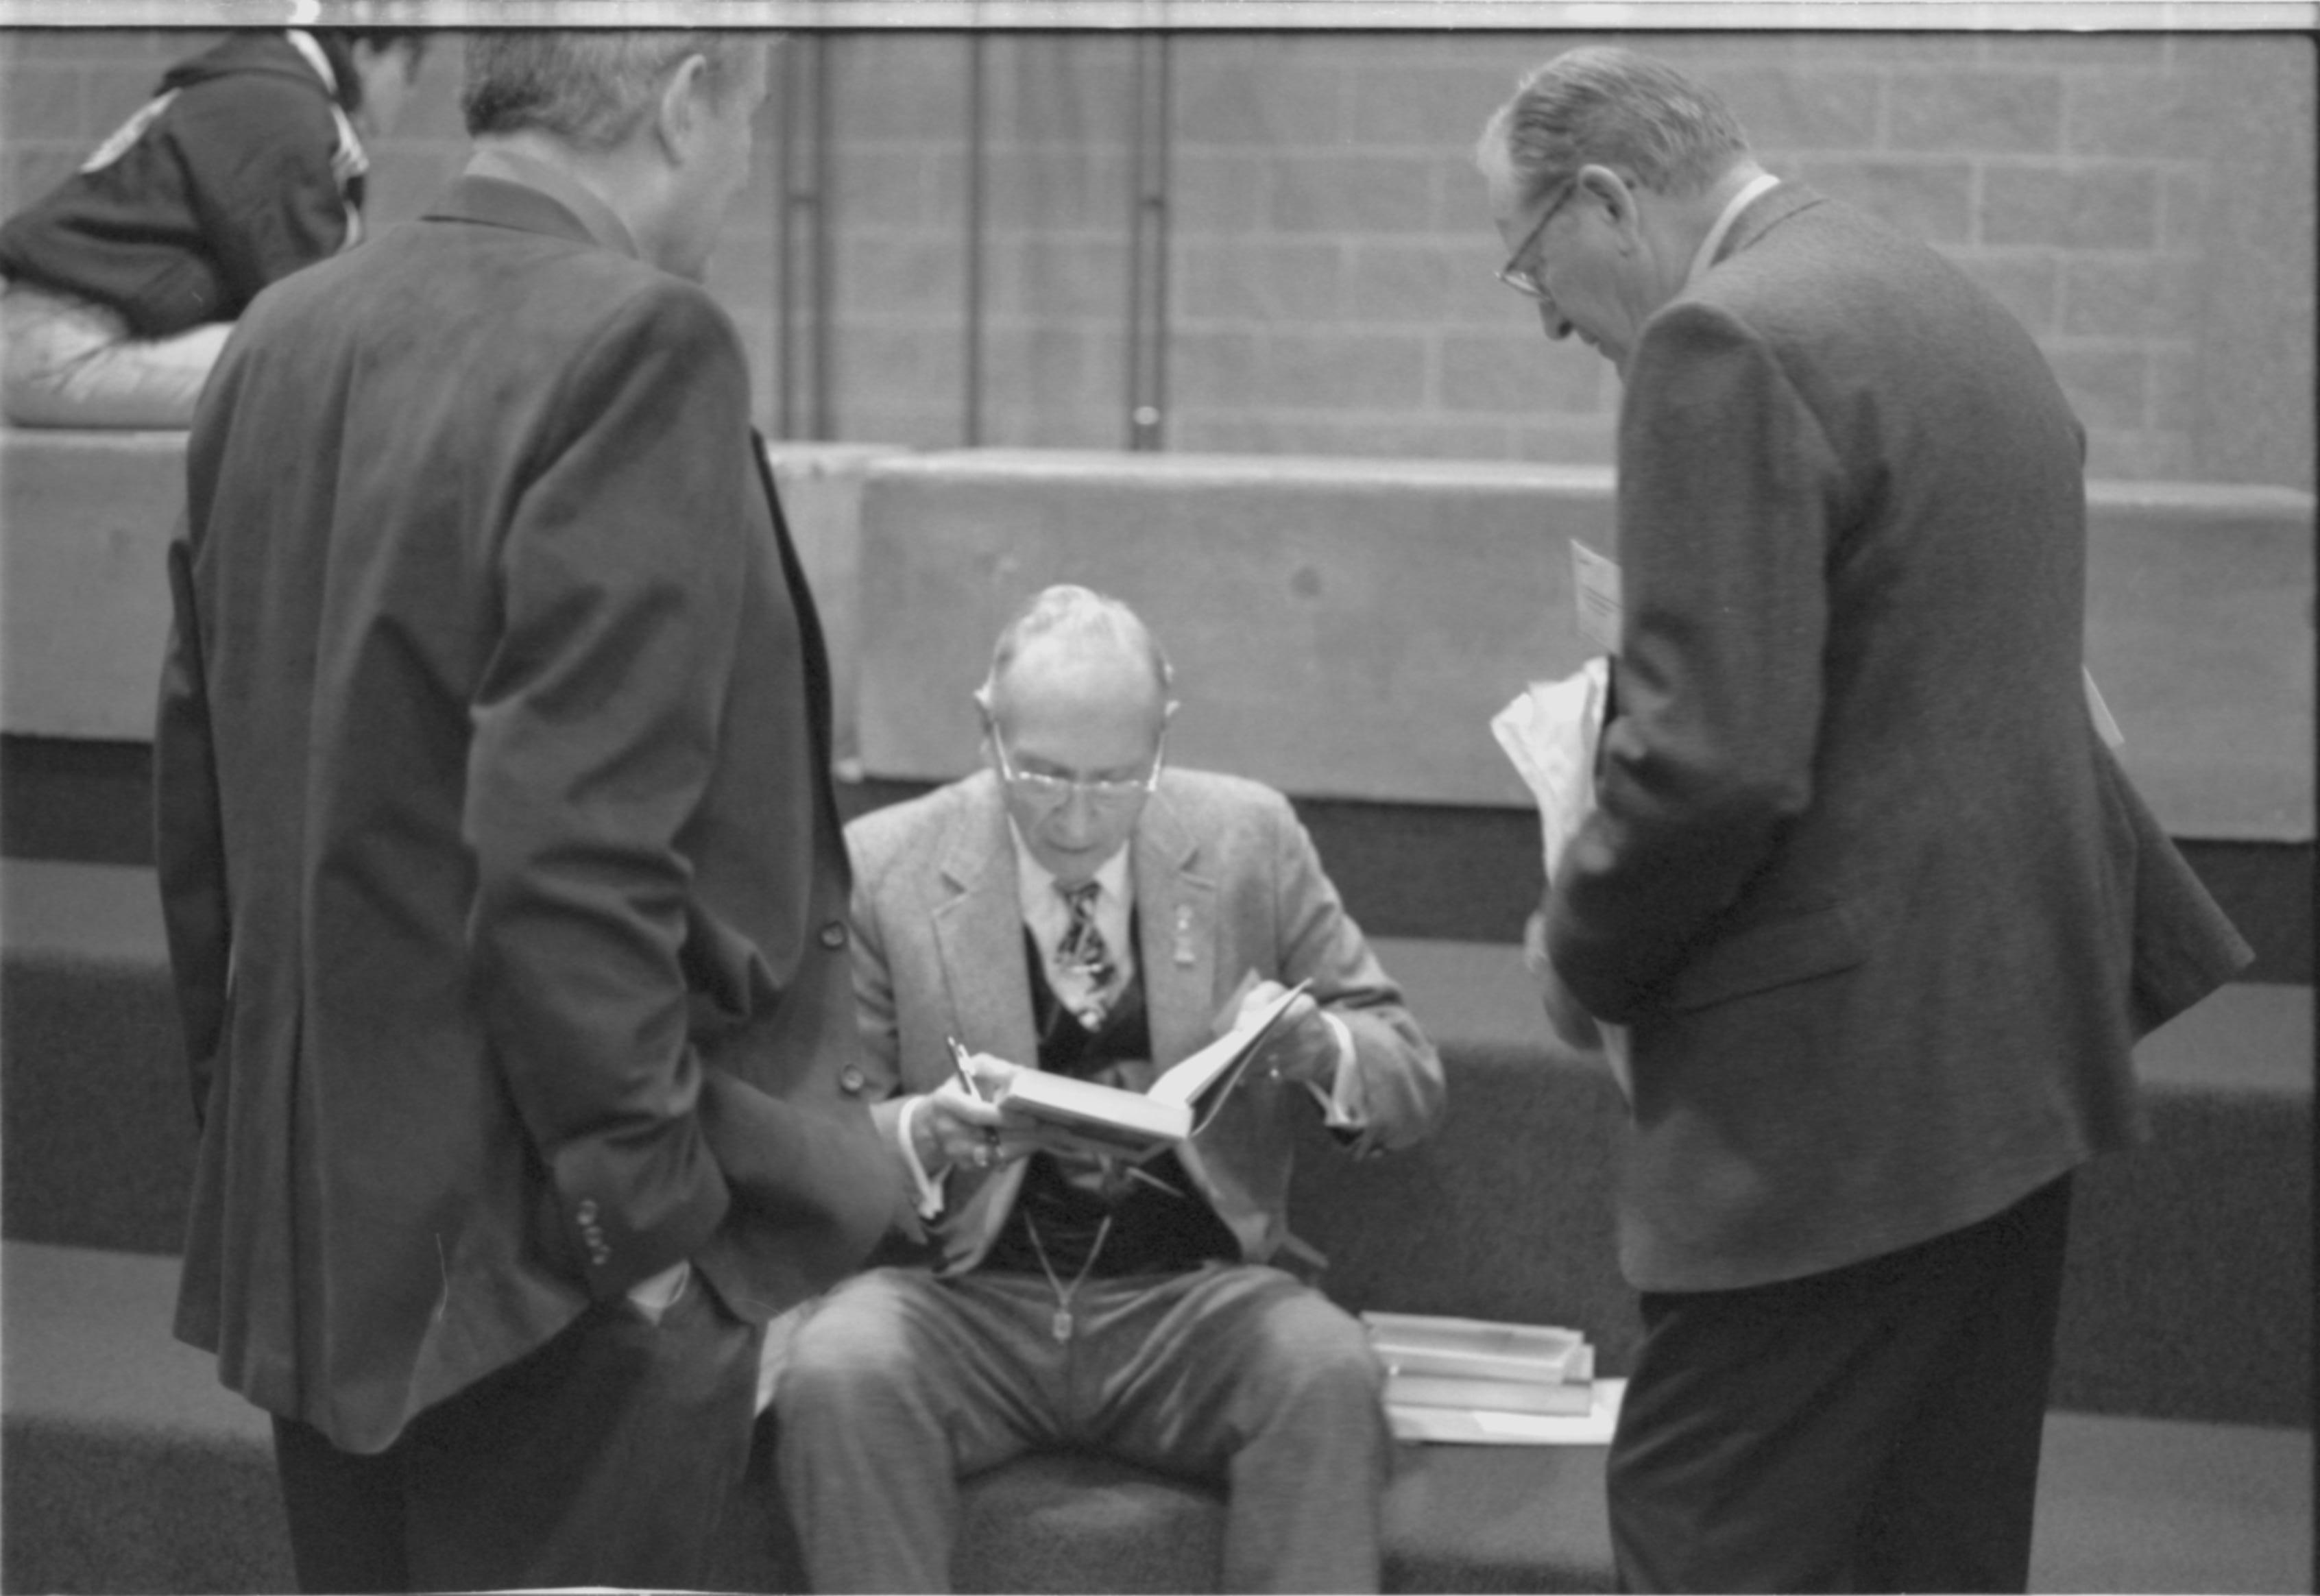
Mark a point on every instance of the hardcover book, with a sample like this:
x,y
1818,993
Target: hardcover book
x,y
1177,1106
1479,1349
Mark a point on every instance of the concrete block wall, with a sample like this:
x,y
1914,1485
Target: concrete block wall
x,y
1329,269
63,90
2142,201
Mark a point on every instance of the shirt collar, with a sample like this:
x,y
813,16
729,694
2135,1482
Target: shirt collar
x,y
1706,255
603,223
307,45
1035,884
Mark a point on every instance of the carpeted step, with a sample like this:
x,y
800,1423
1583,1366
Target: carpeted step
x,y
128,1469
97,1145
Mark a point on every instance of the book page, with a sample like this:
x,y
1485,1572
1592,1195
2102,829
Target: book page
x,y
1426,1343
1121,1121
1109,1119
1217,1066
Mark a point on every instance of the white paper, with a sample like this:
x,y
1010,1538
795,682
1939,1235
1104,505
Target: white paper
x,y
1551,732
1595,589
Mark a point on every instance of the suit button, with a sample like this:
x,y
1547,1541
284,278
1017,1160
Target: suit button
x,y
833,935
852,1079
587,1211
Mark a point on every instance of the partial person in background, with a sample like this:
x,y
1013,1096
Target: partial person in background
x,y
1078,907
1881,913
247,165
503,883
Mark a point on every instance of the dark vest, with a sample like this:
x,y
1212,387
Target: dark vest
x,y
1160,1222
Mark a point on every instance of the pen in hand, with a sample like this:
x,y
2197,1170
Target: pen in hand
x,y
965,1075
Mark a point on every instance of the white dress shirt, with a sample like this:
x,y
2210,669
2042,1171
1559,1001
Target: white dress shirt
x,y
1705,256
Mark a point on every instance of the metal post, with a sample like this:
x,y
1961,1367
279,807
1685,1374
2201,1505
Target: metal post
x,y
972,428
1147,246
804,238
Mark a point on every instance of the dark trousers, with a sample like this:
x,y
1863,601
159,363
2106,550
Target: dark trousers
x,y
604,1458
1875,1428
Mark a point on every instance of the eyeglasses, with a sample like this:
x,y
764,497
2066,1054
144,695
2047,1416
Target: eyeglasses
x,y
1520,278
1045,792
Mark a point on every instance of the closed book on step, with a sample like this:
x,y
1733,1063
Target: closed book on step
x,y
1500,1396
1479,1349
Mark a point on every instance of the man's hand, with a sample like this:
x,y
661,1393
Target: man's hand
x,y
958,1126
1303,1045
1570,1023
656,1296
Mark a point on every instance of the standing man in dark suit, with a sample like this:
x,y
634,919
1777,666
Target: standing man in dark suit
x,y
1882,915
505,888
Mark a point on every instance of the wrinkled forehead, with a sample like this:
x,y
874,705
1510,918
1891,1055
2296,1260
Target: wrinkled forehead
x,y
1090,682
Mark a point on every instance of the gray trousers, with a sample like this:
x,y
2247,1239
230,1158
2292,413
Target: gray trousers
x,y
898,1384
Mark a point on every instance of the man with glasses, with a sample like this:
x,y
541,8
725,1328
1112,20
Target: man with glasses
x,y
1080,907
1880,912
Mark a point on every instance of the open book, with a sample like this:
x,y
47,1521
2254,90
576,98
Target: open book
x,y
1176,1107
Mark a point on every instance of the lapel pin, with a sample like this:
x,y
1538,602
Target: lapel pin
x,y
1184,952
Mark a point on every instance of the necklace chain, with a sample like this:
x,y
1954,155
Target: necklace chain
x,y
1060,1327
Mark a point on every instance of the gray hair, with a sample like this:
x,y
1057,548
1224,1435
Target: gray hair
x,y
1612,108
1074,612
592,89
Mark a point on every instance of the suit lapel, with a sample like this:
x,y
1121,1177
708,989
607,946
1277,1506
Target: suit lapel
x,y
808,618
1177,943
978,930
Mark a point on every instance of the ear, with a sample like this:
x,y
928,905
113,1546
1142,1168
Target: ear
x,y
683,103
1610,191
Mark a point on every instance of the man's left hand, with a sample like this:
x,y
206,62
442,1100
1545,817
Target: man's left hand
x,y
1570,1023
1303,1045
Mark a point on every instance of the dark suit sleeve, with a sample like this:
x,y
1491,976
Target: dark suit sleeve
x,y
188,841
594,735
1728,492
257,152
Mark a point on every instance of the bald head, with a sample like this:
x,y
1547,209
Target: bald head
x,y
1075,710
1074,648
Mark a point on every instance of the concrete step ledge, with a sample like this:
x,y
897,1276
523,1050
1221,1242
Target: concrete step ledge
x,y
1345,629
1346,626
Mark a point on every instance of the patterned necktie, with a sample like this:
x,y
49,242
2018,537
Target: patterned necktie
x,y
1082,951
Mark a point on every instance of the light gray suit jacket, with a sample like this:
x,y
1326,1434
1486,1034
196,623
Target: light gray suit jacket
x,y
1225,881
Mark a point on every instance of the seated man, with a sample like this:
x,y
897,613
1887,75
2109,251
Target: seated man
x,y
1077,908
248,164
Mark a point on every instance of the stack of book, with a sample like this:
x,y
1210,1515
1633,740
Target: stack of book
x,y
1478,1380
